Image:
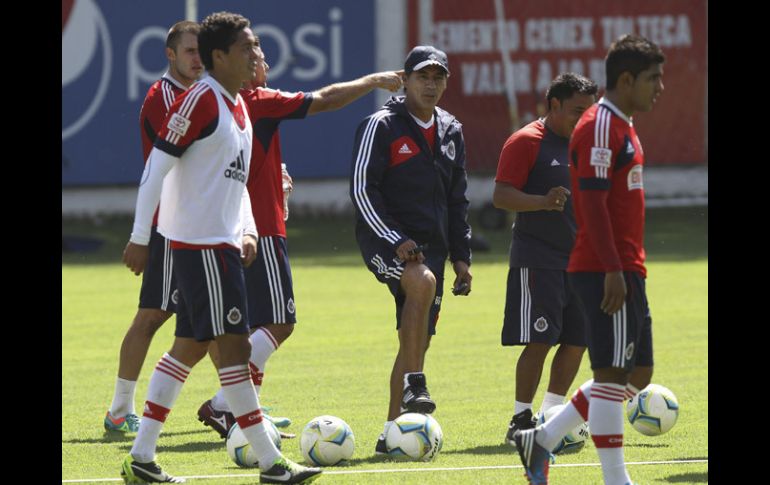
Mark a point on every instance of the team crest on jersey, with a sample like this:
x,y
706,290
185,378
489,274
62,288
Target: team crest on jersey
x,y
600,157
234,316
175,296
450,150
178,124
635,181
541,324
630,351
290,306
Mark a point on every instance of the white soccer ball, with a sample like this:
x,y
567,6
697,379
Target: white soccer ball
x,y
326,441
653,411
414,435
240,450
573,441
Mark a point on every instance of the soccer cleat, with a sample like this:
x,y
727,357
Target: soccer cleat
x,y
134,472
220,421
381,448
286,471
523,420
279,422
416,397
127,424
534,457
286,435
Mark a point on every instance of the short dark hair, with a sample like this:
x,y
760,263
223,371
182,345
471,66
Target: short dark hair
x,y
179,28
631,53
219,31
568,84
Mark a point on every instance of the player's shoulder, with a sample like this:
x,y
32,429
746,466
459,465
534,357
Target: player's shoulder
x,y
200,95
527,136
382,117
589,122
532,132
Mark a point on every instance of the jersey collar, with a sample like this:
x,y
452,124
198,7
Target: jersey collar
x,y
221,89
423,124
168,77
606,102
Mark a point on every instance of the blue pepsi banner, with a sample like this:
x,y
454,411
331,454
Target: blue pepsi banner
x,y
112,52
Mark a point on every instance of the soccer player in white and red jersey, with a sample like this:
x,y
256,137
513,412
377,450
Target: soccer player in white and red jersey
x,y
198,170
157,298
606,266
272,310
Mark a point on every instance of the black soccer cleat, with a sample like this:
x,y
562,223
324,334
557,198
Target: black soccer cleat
x,y
416,398
381,447
523,420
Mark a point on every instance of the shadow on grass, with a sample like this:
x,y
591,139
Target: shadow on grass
x,y
692,477
645,445
671,234
501,449
188,447
117,437
369,459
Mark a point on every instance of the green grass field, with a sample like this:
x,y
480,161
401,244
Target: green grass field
x,y
338,362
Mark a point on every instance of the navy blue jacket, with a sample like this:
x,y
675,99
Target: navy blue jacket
x,y
402,189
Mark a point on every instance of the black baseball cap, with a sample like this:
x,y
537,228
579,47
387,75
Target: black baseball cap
x,y
425,55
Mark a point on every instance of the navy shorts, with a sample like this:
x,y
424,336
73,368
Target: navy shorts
x,y
212,293
158,282
622,340
541,307
269,286
382,261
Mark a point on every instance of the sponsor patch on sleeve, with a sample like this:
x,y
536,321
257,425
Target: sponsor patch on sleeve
x,y
635,180
178,124
600,157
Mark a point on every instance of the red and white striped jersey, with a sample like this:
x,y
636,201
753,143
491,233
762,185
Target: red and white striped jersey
x,y
267,108
606,162
158,100
210,132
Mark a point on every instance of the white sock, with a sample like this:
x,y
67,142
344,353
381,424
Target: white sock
x,y
519,406
240,394
123,399
219,402
631,391
550,400
263,344
165,385
606,417
573,414
386,428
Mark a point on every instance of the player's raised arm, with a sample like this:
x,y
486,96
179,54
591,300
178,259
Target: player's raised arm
x,y
337,95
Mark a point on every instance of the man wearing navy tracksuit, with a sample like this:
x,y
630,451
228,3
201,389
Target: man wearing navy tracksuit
x,y
408,186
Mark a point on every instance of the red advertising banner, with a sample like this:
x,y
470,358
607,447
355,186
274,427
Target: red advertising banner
x,y
504,53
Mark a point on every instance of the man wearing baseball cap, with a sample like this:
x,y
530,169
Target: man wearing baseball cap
x,y
408,185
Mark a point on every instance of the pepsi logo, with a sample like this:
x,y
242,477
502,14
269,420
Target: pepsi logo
x,y
86,60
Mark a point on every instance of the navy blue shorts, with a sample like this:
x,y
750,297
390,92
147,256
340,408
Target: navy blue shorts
x,y
382,261
541,307
268,284
212,293
158,282
622,340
